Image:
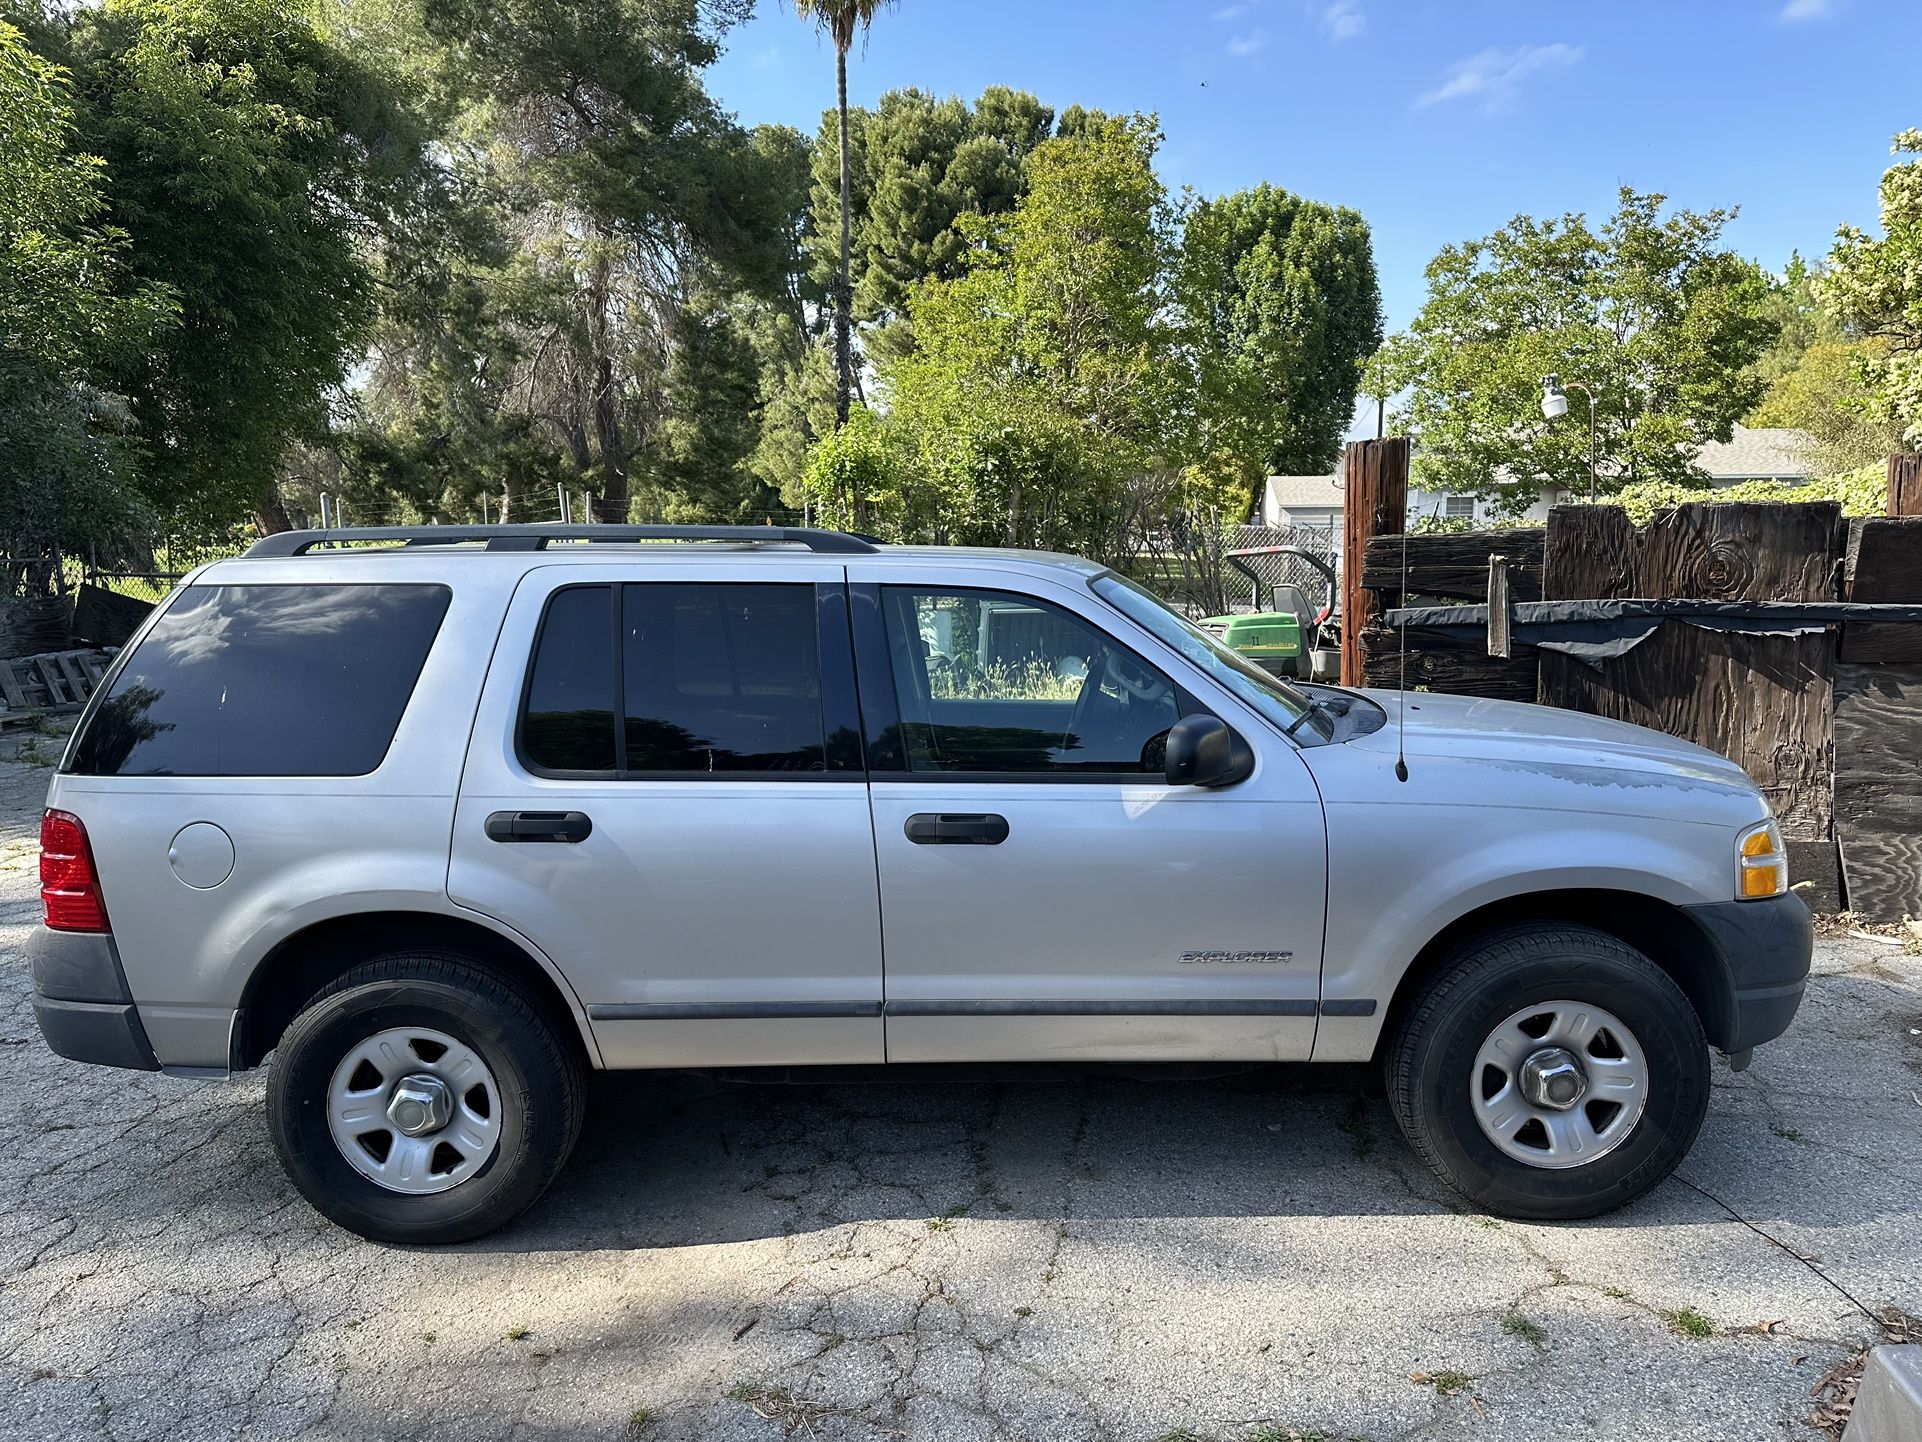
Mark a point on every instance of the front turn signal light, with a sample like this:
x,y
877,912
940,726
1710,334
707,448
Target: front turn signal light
x,y
1764,864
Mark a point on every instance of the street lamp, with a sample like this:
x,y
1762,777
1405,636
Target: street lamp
x,y
1555,406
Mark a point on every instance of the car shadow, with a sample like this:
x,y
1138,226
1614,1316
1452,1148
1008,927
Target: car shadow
x,y
671,1160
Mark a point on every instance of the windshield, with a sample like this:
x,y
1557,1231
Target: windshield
x,y
1274,698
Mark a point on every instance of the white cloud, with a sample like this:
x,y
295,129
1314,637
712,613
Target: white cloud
x,y
1494,77
1232,12
1807,10
1343,20
1242,46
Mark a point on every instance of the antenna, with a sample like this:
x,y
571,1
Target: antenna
x,y
1401,685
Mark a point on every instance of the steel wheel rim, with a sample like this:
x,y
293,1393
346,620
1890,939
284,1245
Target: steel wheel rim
x,y
1550,1136
362,1089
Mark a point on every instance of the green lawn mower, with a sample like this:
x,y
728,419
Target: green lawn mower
x,y
1284,633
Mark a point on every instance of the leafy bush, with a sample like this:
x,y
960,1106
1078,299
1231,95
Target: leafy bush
x,y
1862,492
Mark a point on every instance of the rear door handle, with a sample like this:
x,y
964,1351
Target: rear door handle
x,y
539,826
948,828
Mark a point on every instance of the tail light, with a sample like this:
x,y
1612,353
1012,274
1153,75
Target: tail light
x,y
69,885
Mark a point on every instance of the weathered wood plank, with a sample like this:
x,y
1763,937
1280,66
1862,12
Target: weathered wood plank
x,y
1815,874
1889,643
106,618
1883,562
1710,552
1441,662
58,687
1905,484
1500,607
1454,565
1878,802
1763,701
1375,480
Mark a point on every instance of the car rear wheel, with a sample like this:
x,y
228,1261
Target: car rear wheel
x,y
421,1099
1549,1072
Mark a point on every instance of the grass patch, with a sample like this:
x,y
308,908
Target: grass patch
x,y
1687,1322
780,1406
1533,1333
518,1333
1447,1382
638,1419
1269,1432
1620,1294
948,1218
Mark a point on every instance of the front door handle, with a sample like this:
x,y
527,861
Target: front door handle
x,y
947,828
567,826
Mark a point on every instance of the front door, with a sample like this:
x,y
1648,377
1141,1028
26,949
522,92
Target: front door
x,y
1045,893
664,793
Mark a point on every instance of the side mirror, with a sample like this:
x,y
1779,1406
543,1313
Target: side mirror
x,y
1203,751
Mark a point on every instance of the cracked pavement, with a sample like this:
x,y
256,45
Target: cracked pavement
x,y
1057,1257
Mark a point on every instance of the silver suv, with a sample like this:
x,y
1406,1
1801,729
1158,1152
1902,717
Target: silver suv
x,y
442,818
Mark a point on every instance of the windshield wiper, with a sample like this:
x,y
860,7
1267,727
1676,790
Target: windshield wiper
x,y
1316,707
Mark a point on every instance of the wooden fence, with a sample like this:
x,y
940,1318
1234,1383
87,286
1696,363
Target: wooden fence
x,y
1827,718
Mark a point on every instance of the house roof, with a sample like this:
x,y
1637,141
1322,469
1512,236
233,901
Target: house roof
x,y
1761,454
1294,492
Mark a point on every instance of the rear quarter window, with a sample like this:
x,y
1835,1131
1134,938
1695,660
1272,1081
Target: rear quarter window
x,y
266,681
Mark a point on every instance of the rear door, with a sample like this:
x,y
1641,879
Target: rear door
x,y
664,792
1045,893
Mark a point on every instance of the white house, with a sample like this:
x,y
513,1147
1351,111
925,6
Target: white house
x,y
1780,455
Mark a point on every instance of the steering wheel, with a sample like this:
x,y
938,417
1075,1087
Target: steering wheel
x,y
1140,686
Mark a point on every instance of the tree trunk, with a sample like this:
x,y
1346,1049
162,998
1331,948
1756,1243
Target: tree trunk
x,y
844,292
270,514
610,507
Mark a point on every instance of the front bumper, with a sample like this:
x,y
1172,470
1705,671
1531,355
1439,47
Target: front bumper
x,y
1764,948
81,1001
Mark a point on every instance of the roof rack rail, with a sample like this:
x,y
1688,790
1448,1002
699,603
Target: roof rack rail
x,y
536,537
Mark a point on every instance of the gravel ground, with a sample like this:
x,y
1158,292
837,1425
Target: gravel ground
x,y
1079,1257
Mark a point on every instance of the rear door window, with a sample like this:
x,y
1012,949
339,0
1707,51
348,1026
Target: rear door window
x,y
698,679
721,678
266,681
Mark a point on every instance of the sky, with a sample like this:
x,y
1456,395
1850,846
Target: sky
x,y
1437,119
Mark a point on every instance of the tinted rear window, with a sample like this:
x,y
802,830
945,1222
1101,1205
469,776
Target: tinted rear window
x,y
569,719
266,681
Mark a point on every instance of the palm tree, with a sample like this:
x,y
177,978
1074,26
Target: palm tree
x,y
842,20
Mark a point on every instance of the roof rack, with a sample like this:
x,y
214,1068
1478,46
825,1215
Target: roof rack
x,y
536,537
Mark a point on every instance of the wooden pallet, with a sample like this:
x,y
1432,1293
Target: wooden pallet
x,y
54,681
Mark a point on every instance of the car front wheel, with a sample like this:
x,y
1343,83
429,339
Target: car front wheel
x,y
420,1099
1549,1072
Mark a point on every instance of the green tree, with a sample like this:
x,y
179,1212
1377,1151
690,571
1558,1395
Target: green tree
x,y
632,224
842,20
1043,378
1825,394
1875,287
251,163
69,316
1664,325
918,165
1284,310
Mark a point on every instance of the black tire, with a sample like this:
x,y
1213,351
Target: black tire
x,y
1433,1050
538,1072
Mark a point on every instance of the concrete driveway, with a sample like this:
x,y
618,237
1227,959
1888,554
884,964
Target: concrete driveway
x,y
1257,1256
